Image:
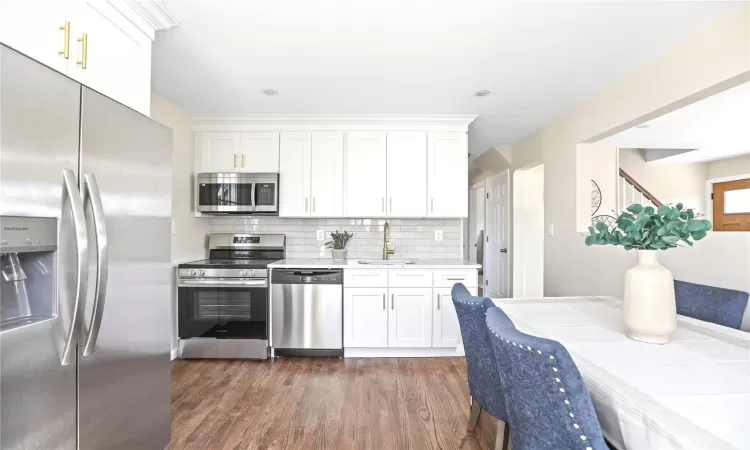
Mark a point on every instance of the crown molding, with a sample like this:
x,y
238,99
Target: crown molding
x,y
154,14
331,122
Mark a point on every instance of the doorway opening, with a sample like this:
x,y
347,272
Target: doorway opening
x,y
528,232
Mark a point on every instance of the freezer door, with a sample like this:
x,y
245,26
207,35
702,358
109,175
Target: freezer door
x,y
124,380
39,130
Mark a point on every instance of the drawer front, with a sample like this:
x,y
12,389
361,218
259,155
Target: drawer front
x,y
409,278
447,278
365,278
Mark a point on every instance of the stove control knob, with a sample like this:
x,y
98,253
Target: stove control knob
x,y
201,272
251,272
191,272
243,272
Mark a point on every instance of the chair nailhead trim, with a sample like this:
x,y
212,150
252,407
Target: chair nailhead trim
x,y
583,438
575,425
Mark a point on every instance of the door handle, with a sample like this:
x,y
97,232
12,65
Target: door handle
x,y
84,40
503,250
91,194
432,204
390,203
438,301
383,301
66,45
382,204
392,301
313,204
306,201
235,160
243,161
72,197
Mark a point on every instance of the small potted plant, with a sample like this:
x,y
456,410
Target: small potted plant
x,y
648,308
337,244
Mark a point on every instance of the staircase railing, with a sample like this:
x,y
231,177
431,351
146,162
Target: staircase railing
x,y
632,192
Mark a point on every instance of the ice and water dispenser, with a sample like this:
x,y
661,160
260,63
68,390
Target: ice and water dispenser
x,y
28,248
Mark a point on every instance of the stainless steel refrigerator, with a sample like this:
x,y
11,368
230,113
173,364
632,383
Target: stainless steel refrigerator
x,y
85,205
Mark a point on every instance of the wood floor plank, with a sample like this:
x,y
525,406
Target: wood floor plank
x,y
324,403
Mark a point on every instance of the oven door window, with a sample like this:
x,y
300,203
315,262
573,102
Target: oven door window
x,y
225,194
223,312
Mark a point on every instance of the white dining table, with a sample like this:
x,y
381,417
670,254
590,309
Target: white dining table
x,y
692,393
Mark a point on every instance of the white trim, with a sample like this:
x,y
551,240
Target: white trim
x,y
173,354
152,14
331,122
403,352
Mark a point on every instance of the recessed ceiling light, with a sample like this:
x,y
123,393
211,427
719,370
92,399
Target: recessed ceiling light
x,y
270,92
643,125
482,93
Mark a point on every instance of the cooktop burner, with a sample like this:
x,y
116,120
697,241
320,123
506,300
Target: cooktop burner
x,y
234,263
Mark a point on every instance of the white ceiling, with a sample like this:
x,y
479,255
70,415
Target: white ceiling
x,y
717,127
412,56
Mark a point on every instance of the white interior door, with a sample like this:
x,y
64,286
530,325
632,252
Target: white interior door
x,y
294,174
476,239
496,236
327,179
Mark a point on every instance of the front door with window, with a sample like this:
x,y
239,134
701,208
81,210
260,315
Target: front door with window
x,y
732,205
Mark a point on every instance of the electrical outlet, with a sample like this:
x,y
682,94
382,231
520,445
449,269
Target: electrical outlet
x,y
438,235
550,230
321,235
174,227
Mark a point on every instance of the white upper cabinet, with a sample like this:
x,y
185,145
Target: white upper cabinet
x,y
447,174
219,151
410,317
365,174
407,174
100,43
294,174
259,152
327,179
33,28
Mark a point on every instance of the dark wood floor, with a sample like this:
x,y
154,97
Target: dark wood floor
x,y
324,403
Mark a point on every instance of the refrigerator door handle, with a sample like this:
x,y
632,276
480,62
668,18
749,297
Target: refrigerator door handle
x,y
72,196
91,194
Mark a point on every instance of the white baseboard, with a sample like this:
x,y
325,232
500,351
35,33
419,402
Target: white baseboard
x,y
402,352
174,354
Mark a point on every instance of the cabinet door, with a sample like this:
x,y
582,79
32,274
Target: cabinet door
x,y
365,186
327,176
219,151
365,317
445,329
407,174
259,152
118,55
32,28
447,174
410,317
294,174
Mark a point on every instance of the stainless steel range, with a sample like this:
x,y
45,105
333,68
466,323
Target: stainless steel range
x,y
223,300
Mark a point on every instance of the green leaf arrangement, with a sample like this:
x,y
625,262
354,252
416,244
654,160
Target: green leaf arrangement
x,y
339,240
647,228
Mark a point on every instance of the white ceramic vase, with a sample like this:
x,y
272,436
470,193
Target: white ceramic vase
x,y
338,254
649,310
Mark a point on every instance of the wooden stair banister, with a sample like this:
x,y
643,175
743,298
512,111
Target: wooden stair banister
x,y
637,186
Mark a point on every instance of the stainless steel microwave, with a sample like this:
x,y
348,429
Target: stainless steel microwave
x,y
238,193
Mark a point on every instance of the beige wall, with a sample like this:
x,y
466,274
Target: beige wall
x,y
188,238
669,183
491,162
732,167
715,58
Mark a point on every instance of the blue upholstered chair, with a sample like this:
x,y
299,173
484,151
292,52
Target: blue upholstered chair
x,y
485,387
548,405
711,304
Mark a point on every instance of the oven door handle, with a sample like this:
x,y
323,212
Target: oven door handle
x,y
223,283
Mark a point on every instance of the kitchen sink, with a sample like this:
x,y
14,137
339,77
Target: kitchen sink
x,y
385,262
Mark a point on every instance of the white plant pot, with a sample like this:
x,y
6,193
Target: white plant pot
x,y
649,310
338,254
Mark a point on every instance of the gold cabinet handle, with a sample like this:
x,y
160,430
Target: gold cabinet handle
x,y
306,200
84,40
243,161
235,160
66,45
438,301
390,201
432,204
383,301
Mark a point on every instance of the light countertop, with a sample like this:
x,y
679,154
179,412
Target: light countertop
x,y
352,264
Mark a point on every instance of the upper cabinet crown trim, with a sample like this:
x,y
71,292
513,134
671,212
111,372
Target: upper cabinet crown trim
x,y
318,122
154,16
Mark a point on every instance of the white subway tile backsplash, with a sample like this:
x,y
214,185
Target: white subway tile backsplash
x,y
412,238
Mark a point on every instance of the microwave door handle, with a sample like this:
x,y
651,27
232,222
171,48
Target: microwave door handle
x,y
72,198
92,194
252,195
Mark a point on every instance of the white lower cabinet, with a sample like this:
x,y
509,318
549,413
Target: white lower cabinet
x,y
446,332
402,309
365,317
410,317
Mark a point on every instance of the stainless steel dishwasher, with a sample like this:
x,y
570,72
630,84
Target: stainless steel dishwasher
x,y
307,312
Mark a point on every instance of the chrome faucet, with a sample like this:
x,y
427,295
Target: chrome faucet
x,y
386,252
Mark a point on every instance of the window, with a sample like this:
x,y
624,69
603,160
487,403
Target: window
x,y
732,205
